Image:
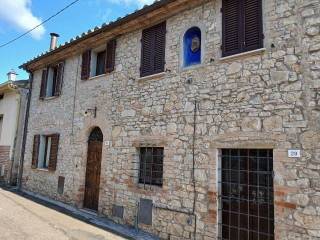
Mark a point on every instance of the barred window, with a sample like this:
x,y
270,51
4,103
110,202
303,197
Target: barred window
x,y
151,166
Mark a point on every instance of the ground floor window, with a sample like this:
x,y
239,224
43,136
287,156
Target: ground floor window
x,y
151,166
44,152
246,194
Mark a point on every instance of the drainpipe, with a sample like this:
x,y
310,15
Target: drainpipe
x,y
25,130
193,169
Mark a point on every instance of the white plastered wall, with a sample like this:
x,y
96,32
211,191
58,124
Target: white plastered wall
x,y
9,107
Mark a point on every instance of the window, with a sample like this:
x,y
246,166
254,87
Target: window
x,y
101,60
98,61
192,47
151,166
51,82
45,151
153,50
241,26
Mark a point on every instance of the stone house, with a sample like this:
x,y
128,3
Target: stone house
x,y
13,99
188,119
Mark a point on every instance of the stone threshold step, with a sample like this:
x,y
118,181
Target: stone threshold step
x,y
87,216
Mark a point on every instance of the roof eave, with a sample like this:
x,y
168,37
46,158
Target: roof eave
x,y
111,25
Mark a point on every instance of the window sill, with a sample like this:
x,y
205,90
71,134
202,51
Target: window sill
x,y
191,67
149,187
50,98
41,169
151,77
98,76
243,54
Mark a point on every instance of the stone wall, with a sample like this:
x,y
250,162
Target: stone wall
x,y
266,99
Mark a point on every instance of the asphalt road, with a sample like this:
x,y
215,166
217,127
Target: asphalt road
x,y
22,219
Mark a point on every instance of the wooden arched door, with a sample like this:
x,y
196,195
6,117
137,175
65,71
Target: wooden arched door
x,y
93,170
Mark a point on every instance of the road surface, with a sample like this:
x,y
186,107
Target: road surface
x,y
22,219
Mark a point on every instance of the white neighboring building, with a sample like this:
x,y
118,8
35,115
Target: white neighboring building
x,y
13,99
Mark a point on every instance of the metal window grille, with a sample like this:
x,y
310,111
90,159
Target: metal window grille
x,y
246,202
151,166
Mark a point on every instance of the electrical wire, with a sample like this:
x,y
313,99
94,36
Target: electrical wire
x,y
42,23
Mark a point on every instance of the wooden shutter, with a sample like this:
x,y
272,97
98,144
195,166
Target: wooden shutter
x,y
160,47
43,87
53,152
231,27
85,67
146,53
253,36
241,26
35,153
153,50
59,80
111,55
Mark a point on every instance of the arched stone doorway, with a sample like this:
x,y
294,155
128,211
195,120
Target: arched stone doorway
x,y
93,170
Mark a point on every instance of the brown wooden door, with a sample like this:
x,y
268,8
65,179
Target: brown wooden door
x,y
91,197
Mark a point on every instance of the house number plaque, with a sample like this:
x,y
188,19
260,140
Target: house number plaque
x,y
294,153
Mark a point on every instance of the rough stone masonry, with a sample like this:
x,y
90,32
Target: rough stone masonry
x,y
267,99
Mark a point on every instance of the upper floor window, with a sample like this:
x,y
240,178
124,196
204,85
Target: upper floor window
x,y
101,61
153,44
51,82
151,166
192,47
241,26
98,61
45,151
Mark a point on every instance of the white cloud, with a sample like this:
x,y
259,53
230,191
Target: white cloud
x,y
131,2
18,13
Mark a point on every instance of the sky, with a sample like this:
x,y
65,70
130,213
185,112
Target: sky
x,y
19,16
